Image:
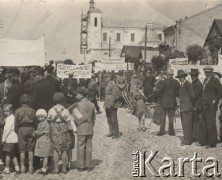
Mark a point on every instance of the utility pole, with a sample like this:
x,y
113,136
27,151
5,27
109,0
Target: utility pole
x,y
109,46
145,43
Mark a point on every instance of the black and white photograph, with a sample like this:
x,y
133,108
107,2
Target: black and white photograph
x,y
110,89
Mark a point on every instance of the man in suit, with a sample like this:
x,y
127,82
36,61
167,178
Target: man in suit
x,y
84,117
187,96
212,92
111,105
197,88
169,90
93,91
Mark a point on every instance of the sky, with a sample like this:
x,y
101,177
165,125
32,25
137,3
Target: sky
x,y
59,20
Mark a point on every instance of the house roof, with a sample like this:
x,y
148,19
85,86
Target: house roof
x,y
134,52
94,10
217,23
129,23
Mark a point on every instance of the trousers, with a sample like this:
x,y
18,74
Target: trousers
x,y
111,115
84,151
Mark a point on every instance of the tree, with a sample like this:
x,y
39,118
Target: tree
x,y
214,53
158,62
195,53
68,61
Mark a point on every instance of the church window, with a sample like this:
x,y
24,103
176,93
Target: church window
x,y
95,22
132,37
118,37
105,36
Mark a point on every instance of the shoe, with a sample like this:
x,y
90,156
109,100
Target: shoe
x,y
208,147
160,134
115,137
139,129
55,172
6,171
184,144
109,135
31,171
64,171
89,169
172,134
81,169
144,129
42,172
99,112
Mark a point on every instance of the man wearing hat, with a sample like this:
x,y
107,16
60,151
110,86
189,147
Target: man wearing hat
x,y
197,88
169,90
212,93
187,97
16,90
93,91
84,116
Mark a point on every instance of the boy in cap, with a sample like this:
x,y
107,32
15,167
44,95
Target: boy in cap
x,y
187,97
84,116
25,123
212,93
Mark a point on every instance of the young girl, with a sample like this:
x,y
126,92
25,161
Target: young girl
x,y
43,143
10,139
141,108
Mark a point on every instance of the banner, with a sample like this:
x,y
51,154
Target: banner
x,y
15,52
78,71
178,61
130,66
113,59
110,67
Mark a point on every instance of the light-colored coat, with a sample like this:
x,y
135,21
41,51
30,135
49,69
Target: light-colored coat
x,y
43,142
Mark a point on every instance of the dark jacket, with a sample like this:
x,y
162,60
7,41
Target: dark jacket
x,y
148,84
211,91
113,95
169,90
14,94
45,91
187,97
198,89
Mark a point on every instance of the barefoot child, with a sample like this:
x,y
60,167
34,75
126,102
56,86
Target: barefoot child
x,y
43,143
10,139
141,108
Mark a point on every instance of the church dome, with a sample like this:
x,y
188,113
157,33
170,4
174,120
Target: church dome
x,y
94,10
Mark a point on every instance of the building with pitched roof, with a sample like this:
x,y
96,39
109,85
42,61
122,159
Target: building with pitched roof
x,y
108,36
192,30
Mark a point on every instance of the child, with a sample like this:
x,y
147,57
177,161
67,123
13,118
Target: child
x,y
141,108
43,143
25,119
10,139
59,119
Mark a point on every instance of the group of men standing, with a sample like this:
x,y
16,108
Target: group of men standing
x,y
198,106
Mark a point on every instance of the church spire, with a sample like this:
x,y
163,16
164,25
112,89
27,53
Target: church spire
x,y
91,3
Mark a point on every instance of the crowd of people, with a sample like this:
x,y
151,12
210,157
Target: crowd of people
x,y
40,113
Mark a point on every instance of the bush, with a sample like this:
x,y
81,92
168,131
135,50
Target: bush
x,y
195,53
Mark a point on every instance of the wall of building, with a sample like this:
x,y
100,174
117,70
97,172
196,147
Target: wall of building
x,y
194,30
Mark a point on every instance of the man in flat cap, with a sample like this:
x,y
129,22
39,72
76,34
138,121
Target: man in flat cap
x,y
198,89
187,96
169,90
212,92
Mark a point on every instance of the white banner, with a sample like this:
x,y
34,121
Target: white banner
x,y
219,59
178,61
110,66
113,59
78,71
131,66
15,52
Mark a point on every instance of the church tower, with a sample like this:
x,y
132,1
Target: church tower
x,y
94,40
